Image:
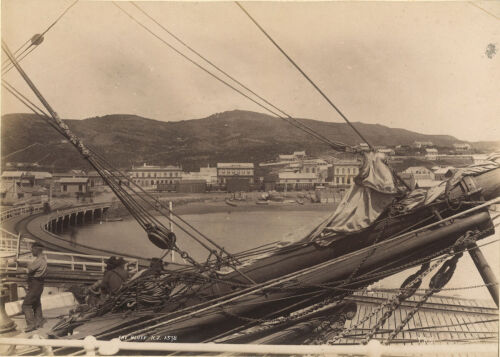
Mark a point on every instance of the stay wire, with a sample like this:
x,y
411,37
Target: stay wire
x,y
332,143
122,175
304,74
19,58
316,135
41,35
46,118
45,103
147,194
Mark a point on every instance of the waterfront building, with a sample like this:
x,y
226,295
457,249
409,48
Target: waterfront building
x,y
27,178
297,155
364,147
150,176
344,172
420,173
443,173
191,186
387,152
73,185
207,174
422,144
462,147
299,180
431,154
228,170
95,180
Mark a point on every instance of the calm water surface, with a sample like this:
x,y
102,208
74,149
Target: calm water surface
x,y
237,231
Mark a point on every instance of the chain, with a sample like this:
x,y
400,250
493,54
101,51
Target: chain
x,y
271,323
394,302
438,281
370,253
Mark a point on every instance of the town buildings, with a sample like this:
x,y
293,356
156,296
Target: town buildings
x,y
73,185
431,154
207,174
420,173
150,176
422,144
344,172
227,171
27,178
462,147
299,180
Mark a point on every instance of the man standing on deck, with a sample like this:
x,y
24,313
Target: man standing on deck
x,y
32,306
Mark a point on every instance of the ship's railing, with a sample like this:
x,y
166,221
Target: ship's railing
x,y
77,262
92,347
13,243
20,211
15,249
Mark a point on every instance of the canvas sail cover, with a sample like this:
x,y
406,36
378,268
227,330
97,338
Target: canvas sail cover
x,y
373,191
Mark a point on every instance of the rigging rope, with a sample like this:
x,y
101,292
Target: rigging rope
x,y
304,74
140,214
335,145
308,129
35,41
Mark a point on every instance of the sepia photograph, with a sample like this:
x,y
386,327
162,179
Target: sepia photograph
x,y
249,178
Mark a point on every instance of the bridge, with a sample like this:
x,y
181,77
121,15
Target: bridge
x,y
59,221
67,261
32,223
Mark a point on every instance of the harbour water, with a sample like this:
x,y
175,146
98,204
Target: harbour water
x,y
238,231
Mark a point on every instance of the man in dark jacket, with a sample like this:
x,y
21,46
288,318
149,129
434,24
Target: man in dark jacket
x,y
32,306
115,275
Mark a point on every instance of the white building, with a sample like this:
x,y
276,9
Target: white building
x,y
460,147
149,176
297,155
420,173
298,180
24,178
207,174
387,152
344,172
228,170
422,144
431,154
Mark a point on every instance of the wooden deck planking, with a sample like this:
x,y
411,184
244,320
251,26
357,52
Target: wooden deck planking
x,y
438,312
461,334
475,328
441,320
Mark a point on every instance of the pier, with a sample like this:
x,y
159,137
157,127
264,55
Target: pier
x,y
31,222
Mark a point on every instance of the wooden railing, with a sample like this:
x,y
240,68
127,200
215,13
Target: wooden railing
x,y
20,211
78,262
12,243
16,250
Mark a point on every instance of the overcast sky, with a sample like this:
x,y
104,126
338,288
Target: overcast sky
x,y
420,66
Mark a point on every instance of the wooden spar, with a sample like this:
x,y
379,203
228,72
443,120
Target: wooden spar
x,y
485,270
213,320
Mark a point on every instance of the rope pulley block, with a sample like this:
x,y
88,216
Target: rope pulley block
x,y
163,240
444,274
37,39
412,283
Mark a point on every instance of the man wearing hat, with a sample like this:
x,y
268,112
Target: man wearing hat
x,y
32,306
115,275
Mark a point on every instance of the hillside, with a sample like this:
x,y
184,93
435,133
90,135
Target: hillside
x,y
229,136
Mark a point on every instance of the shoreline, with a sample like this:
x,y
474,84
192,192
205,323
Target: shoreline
x,y
201,204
